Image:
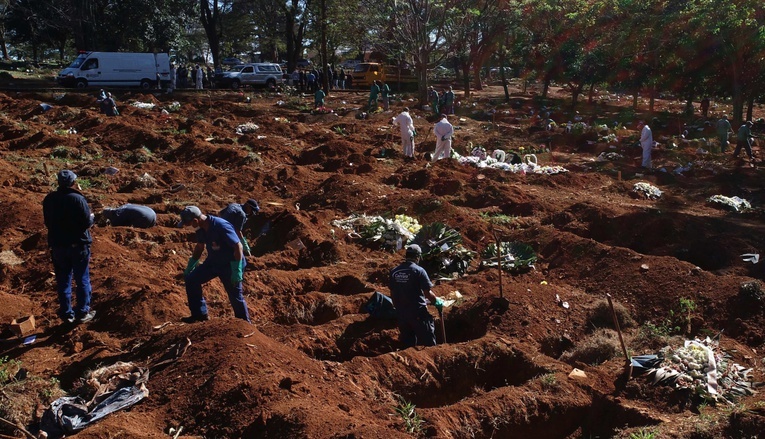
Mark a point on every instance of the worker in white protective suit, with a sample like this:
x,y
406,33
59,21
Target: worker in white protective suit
x,y
646,142
404,121
444,132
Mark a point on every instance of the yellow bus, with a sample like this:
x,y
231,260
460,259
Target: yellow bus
x,y
367,72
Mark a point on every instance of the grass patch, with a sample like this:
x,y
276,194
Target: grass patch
x,y
413,423
601,316
498,218
599,347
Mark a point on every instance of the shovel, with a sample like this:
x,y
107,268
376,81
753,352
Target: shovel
x,y
441,323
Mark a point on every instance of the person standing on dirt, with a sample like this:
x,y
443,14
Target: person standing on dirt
x,y
723,128
444,132
224,261
374,91
318,98
449,101
405,123
237,214
705,107
68,219
172,77
646,142
744,138
129,215
385,93
200,77
311,81
434,100
410,289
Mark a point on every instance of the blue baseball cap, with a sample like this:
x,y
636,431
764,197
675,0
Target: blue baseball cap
x,y
188,214
66,178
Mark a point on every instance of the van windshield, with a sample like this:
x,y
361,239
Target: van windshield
x,y
362,68
78,61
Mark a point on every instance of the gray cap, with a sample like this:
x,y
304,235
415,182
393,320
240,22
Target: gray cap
x,y
188,214
413,250
66,178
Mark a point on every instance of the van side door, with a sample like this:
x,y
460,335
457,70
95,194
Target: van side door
x,y
91,69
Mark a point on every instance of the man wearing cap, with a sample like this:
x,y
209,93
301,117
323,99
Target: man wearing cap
x,y
744,138
237,215
130,215
224,261
646,142
444,132
404,121
68,220
723,128
410,290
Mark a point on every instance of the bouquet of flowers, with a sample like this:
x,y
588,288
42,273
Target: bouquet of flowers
x,y
516,256
322,110
734,203
649,191
248,127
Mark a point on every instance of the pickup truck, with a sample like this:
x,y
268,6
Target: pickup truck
x,y
267,74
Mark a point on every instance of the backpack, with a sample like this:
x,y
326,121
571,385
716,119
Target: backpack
x,y
380,306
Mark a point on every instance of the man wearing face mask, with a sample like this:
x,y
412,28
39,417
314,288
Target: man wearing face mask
x,y
68,220
224,261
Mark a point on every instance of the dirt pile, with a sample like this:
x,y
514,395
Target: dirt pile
x,y
312,364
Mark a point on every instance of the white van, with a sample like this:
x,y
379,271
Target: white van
x,y
117,69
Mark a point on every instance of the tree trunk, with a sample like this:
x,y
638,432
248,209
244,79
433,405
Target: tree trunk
x,y
209,19
422,83
324,59
750,106
503,75
591,93
5,49
575,92
546,88
635,101
738,91
652,99
466,78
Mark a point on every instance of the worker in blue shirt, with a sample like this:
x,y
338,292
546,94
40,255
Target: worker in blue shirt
x,y
410,290
131,215
237,215
68,220
224,261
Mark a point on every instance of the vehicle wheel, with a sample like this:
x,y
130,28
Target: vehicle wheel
x,y
145,84
235,85
271,83
81,83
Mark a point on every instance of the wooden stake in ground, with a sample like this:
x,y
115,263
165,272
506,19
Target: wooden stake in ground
x,y
499,260
621,339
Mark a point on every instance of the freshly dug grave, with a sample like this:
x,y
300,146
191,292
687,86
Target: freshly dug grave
x,y
313,364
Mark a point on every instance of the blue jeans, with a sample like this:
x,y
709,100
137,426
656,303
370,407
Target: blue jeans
x,y
205,273
417,329
68,262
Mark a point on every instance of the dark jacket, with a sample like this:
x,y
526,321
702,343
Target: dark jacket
x,y
67,217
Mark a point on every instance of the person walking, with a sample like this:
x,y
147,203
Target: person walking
x,y
723,128
744,140
444,132
295,78
68,219
434,99
129,215
410,290
224,261
406,124
237,214
374,90
385,93
646,142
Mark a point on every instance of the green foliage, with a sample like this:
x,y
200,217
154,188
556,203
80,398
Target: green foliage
x,y
643,433
498,218
442,253
548,381
8,369
413,423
